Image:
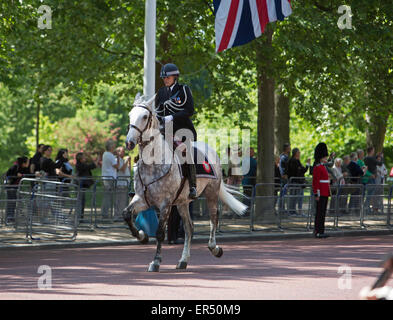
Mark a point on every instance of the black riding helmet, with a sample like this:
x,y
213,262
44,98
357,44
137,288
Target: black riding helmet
x,y
169,69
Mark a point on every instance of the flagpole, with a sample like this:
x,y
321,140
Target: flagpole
x,y
150,49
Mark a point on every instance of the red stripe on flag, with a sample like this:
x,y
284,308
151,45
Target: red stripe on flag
x,y
226,36
262,13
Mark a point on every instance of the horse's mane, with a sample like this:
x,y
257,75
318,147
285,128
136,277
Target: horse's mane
x,y
142,100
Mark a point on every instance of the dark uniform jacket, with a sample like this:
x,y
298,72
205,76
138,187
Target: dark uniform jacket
x,y
181,97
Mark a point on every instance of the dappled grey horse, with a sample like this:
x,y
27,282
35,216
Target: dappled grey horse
x,y
158,182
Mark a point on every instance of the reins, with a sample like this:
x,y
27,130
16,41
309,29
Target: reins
x,y
145,186
142,144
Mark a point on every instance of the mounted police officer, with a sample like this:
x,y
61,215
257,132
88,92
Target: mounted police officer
x,y
175,106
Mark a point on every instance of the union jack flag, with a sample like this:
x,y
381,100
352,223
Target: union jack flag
x,y
238,22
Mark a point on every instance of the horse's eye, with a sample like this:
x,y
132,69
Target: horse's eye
x,y
144,117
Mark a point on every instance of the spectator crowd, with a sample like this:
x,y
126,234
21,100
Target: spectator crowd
x,y
355,168
114,164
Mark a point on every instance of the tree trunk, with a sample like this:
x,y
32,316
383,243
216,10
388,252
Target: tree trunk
x,y
265,202
376,130
265,84
164,50
37,125
282,116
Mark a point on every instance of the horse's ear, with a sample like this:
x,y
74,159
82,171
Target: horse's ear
x,y
138,97
150,103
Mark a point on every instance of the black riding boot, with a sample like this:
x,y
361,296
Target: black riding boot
x,y
192,180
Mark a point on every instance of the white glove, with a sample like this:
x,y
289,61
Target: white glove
x,y
168,119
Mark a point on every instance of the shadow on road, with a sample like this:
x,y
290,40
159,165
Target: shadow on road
x,y
256,261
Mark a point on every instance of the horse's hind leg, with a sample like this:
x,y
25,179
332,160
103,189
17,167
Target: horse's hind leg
x,y
212,201
154,266
188,229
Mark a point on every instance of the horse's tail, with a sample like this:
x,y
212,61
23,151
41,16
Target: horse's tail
x,y
226,196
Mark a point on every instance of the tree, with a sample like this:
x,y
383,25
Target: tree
x,y
332,75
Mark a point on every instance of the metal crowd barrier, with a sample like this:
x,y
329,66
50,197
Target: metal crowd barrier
x,y
85,207
9,206
266,206
228,220
3,206
300,180
200,216
110,198
348,206
298,207
377,204
52,209
47,209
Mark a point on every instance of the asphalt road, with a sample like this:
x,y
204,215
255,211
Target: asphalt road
x,y
333,268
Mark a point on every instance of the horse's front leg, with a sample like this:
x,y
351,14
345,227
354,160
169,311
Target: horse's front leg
x,y
154,266
136,205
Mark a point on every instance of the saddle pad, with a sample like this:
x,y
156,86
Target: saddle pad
x,y
203,169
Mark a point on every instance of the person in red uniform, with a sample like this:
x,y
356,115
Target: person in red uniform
x,y
321,189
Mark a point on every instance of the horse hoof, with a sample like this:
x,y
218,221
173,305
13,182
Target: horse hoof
x,y
153,267
181,265
145,239
219,253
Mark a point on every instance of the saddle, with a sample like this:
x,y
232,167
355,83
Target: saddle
x,y
203,167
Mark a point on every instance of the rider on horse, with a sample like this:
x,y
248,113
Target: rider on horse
x,y
174,103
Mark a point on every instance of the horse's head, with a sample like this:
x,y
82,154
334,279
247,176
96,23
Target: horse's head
x,y
142,119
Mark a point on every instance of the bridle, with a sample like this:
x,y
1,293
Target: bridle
x,y
143,144
139,140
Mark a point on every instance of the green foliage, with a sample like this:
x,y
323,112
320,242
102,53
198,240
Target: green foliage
x,y
49,135
90,66
343,140
15,125
85,133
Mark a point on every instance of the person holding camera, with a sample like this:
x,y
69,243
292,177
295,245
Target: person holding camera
x,y
83,167
122,183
